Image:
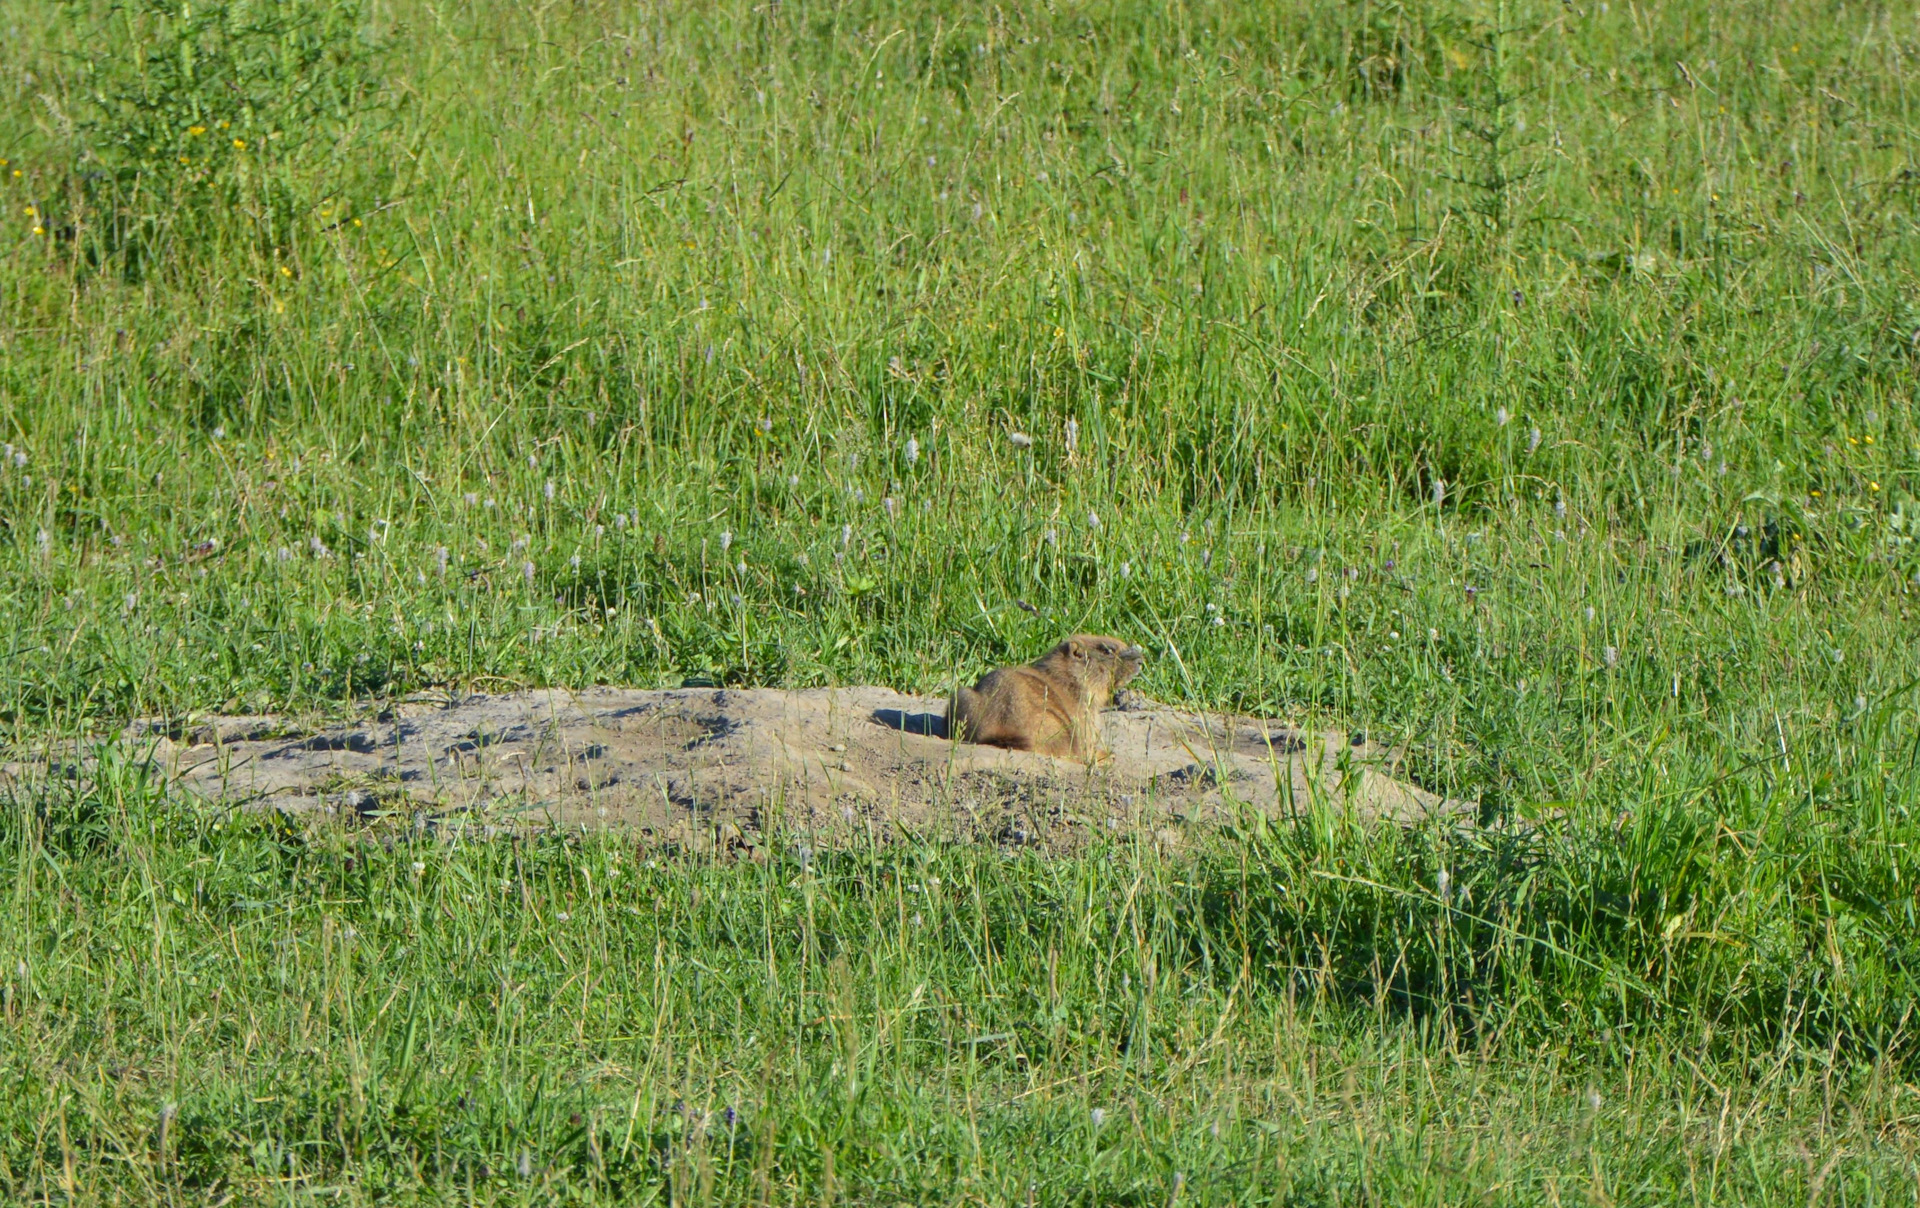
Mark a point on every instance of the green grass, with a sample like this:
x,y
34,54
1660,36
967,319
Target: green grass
x,y
589,347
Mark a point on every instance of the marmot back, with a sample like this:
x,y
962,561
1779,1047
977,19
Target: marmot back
x,y
1052,705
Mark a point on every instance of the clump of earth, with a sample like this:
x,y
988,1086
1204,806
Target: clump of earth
x,y
720,767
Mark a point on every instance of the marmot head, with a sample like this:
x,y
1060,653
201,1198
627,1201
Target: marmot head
x,y
1099,665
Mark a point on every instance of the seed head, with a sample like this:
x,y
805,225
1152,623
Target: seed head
x,y
548,490
1533,440
1501,417
726,539
1611,655
526,571
1073,436
913,450
1020,440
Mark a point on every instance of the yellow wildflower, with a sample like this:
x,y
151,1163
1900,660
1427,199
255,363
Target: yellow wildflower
x,y
196,131
240,144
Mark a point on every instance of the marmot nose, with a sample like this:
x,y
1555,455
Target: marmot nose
x,y
1134,653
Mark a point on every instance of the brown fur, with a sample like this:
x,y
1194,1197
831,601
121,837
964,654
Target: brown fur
x,y
1052,705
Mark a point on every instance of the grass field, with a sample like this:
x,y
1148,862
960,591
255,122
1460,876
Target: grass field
x,y
1529,384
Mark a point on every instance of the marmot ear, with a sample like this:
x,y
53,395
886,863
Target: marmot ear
x,y
1075,649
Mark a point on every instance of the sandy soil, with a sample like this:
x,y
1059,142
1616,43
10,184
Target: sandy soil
x,y
706,766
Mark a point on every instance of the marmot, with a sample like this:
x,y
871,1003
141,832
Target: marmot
x,y
1052,705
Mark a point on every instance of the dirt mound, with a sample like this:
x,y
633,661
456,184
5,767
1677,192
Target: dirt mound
x,y
704,765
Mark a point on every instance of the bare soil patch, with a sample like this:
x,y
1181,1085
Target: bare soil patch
x,y
707,766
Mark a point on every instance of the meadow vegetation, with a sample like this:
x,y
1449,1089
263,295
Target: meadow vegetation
x,y
1527,384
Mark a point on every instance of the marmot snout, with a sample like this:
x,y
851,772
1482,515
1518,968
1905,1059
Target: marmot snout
x,y
1052,705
